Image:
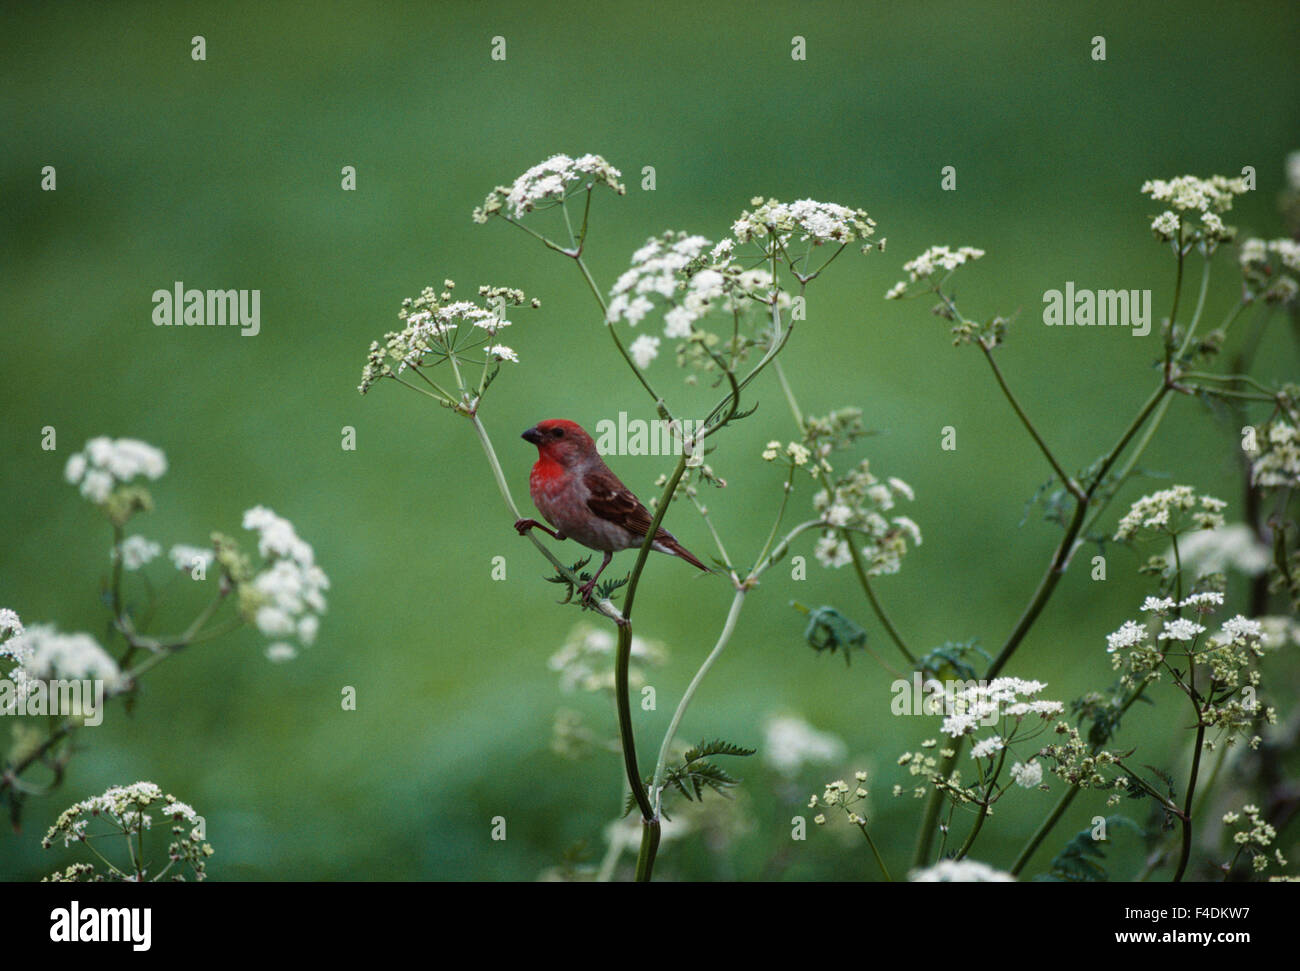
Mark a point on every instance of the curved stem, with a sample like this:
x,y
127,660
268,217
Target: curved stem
x,y
1200,305
1070,485
1063,804
875,852
985,805
875,604
626,735
1044,828
789,395
618,342
728,628
650,830
1187,806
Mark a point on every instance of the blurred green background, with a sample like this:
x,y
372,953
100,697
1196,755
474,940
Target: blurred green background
x,y
226,173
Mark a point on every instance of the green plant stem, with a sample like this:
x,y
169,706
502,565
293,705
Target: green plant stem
x,y
879,610
1070,485
1186,853
713,531
1190,796
876,853
660,404
985,805
728,628
650,826
650,835
789,395
645,860
1063,803
1056,569
1200,306
1044,828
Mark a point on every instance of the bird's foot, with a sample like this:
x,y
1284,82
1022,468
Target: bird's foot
x,y
524,525
585,591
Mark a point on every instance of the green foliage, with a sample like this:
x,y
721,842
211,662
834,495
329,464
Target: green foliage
x,y
829,630
1057,503
949,661
1078,861
1104,713
694,774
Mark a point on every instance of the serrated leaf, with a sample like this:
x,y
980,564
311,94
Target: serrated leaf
x,y
717,746
829,630
1073,863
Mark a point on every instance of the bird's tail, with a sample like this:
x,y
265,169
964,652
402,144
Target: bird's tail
x,y
667,543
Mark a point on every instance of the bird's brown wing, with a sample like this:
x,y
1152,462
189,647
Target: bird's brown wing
x,y
610,499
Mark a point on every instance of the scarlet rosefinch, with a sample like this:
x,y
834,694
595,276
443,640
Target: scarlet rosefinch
x,y
577,494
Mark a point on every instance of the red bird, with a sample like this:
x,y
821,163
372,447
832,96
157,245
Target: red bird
x,y
577,494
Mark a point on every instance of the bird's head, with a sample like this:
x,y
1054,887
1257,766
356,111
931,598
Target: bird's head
x,y
560,441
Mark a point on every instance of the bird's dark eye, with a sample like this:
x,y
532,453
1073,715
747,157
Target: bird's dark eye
x,y
557,432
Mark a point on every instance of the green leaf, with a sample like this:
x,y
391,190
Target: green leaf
x,y
948,662
829,630
717,747
693,775
1078,861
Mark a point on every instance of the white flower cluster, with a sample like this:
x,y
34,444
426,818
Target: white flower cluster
x,y
287,596
795,452
1279,631
1141,648
820,222
45,654
1165,225
1171,511
1133,635
186,557
657,269
431,322
790,743
839,794
931,262
644,350
674,268
1234,546
122,805
1264,280
1187,193
960,871
548,181
106,463
586,660
857,502
989,703
11,625
1278,464
1028,776
13,646
135,552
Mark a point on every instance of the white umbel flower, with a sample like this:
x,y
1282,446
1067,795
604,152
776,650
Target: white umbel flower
x,y
790,743
106,463
960,871
548,182
644,350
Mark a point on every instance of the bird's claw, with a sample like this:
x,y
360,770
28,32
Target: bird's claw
x,y
523,525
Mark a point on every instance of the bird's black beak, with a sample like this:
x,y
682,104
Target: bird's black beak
x,y
532,435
